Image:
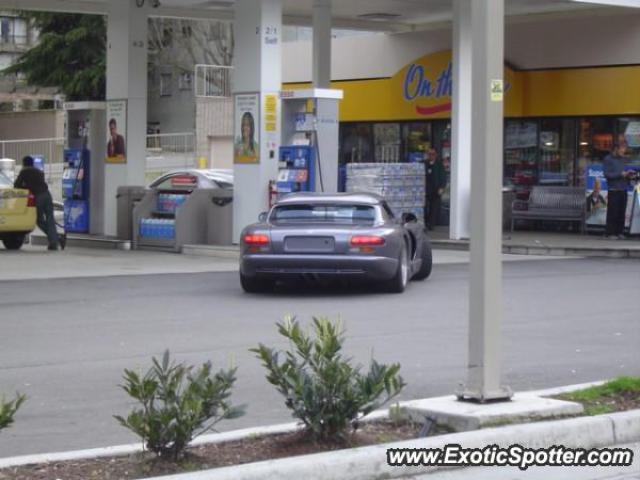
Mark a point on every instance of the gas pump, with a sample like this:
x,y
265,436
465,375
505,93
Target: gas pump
x,y
83,175
75,190
296,169
308,157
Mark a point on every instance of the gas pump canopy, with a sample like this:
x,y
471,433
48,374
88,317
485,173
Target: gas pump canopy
x,y
378,15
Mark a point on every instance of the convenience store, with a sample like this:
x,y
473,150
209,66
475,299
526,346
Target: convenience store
x,y
563,110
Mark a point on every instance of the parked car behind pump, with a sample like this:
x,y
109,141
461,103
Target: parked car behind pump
x,y
17,213
351,235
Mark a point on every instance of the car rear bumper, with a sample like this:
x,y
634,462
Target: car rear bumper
x,y
353,266
18,223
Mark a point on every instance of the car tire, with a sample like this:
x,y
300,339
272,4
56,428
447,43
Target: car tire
x,y
13,242
427,261
252,284
399,281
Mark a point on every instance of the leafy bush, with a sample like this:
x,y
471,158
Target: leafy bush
x,y
177,405
322,388
9,409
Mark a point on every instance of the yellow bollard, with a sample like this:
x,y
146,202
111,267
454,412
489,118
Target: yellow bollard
x,y
202,162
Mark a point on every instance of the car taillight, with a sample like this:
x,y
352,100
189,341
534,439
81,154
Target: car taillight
x,y
256,240
31,200
366,241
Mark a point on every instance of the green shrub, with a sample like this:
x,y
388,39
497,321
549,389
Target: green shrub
x,y
177,405
323,390
9,409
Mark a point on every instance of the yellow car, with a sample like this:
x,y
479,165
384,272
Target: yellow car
x,y
17,213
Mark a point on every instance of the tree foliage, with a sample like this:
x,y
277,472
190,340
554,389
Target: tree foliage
x,y
70,54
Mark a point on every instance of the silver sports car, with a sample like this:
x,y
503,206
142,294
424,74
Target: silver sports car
x,y
317,235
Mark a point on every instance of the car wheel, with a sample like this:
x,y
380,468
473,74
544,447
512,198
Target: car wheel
x,y
399,281
427,261
252,284
13,242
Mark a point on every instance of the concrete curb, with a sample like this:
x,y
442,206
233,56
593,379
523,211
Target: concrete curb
x,y
370,463
86,241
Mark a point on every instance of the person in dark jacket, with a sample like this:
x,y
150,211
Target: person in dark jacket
x,y
436,180
617,181
32,179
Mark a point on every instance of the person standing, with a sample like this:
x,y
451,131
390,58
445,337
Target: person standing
x,y
436,180
32,179
617,181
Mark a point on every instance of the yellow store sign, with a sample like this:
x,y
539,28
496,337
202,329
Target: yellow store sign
x,y
423,89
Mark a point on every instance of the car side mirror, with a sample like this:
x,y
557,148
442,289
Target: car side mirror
x,y
262,217
408,217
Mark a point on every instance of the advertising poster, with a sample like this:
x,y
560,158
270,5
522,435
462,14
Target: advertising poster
x,y
246,135
116,129
597,197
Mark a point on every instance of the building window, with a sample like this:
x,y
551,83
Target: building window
x,y
418,139
595,140
557,152
357,143
5,29
521,155
185,81
165,84
387,141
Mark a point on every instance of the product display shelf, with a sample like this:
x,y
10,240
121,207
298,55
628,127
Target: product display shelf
x,y
168,220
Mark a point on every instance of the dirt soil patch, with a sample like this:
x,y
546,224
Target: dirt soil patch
x,y
251,449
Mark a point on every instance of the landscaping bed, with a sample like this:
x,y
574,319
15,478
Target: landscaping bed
x,y
250,449
618,395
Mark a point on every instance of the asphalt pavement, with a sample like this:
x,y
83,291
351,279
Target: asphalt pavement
x,y
66,339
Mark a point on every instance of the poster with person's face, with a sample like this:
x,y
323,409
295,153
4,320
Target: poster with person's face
x,y
116,130
246,145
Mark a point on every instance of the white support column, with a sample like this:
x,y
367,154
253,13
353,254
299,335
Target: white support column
x,y
485,290
322,43
126,80
258,70
461,121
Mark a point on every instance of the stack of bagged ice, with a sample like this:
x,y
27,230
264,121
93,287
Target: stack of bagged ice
x,y
401,184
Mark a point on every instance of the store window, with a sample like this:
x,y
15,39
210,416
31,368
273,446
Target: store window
x,y
595,140
520,155
387,142
356,143
557,152
417,139
629,130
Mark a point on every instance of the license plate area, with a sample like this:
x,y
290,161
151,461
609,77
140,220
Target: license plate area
x,y
309,244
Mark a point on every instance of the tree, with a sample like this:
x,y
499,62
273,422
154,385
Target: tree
x,y
70,54
181,44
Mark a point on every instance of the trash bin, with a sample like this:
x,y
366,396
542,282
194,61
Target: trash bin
x,y
127,197
220,218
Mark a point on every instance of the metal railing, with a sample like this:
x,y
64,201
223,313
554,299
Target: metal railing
x,y
213,81
164,152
